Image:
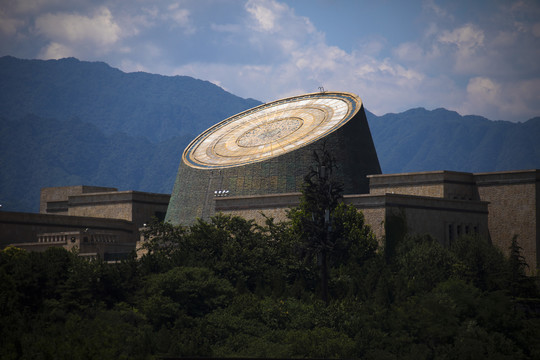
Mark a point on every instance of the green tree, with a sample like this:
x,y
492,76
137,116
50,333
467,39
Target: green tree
x,y
330,232
321,194
519,284
480,262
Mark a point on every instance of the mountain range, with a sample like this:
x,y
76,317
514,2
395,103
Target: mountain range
x,y
70,122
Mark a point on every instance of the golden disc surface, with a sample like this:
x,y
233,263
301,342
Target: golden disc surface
x,y
271,130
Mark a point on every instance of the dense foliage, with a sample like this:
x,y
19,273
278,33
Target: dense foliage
x,y
229,287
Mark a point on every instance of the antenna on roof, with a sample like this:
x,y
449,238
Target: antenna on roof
x,y
321,89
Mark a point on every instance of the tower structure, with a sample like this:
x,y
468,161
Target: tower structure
x,y
268,150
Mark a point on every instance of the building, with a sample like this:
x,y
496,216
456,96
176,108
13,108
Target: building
x,y
98,221
266,150
253,163
443,204
103,202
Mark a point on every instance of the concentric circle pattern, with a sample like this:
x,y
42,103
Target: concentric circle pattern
x,y
270,130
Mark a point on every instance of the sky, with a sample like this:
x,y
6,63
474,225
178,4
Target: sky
x,y
478,57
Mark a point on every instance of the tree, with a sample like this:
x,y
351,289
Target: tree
x,y
330,231
321,194
519,284
479,262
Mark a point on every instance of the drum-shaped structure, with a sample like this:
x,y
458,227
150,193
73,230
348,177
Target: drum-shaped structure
x,y
269,149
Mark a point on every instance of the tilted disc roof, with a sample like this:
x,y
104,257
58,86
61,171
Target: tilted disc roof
x,y
271,130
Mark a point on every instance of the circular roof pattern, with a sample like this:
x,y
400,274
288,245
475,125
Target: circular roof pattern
x,y
271,130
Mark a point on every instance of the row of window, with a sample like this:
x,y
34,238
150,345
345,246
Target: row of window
x,y
456,230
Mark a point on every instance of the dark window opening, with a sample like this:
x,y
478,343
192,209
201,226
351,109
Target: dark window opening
x,y
160,215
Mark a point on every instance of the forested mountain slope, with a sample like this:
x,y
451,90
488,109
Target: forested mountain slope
x,y
138,104
422,140
70,122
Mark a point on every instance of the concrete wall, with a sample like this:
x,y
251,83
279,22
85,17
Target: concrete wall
x,y
441,184
512,196
25,227
253,207
128,205
513,210
88,243
424,215
55,199
100,202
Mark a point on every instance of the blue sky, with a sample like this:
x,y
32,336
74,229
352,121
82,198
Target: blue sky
x,y
475,57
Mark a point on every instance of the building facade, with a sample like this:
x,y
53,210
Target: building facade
x,y
443,204
98,221
266,150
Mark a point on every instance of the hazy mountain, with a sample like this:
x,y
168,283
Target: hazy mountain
x,y
421,140
138,104
69,122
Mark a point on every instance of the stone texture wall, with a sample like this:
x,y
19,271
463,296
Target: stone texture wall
x,y
25,227
117,205
55,199
433,190
442,184
257,207
424,215
513,210
135,206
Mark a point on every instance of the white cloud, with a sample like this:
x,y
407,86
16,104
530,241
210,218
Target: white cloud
x,y
468,40
501,101
410,52
266,13
180,17
439,12
302,61
99,30
483,91
56,51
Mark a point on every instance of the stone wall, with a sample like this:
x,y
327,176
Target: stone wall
x,y
109,203
259,207
441,184
443,219
55,199
26,227
424,215
513,210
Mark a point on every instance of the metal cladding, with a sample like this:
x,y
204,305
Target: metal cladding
x,y
269,149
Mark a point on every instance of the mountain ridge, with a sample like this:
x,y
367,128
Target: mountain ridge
x,y
71,122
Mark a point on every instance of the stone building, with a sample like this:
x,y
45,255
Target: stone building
x,y
98,221
104,202
266,150
443,204
254,163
